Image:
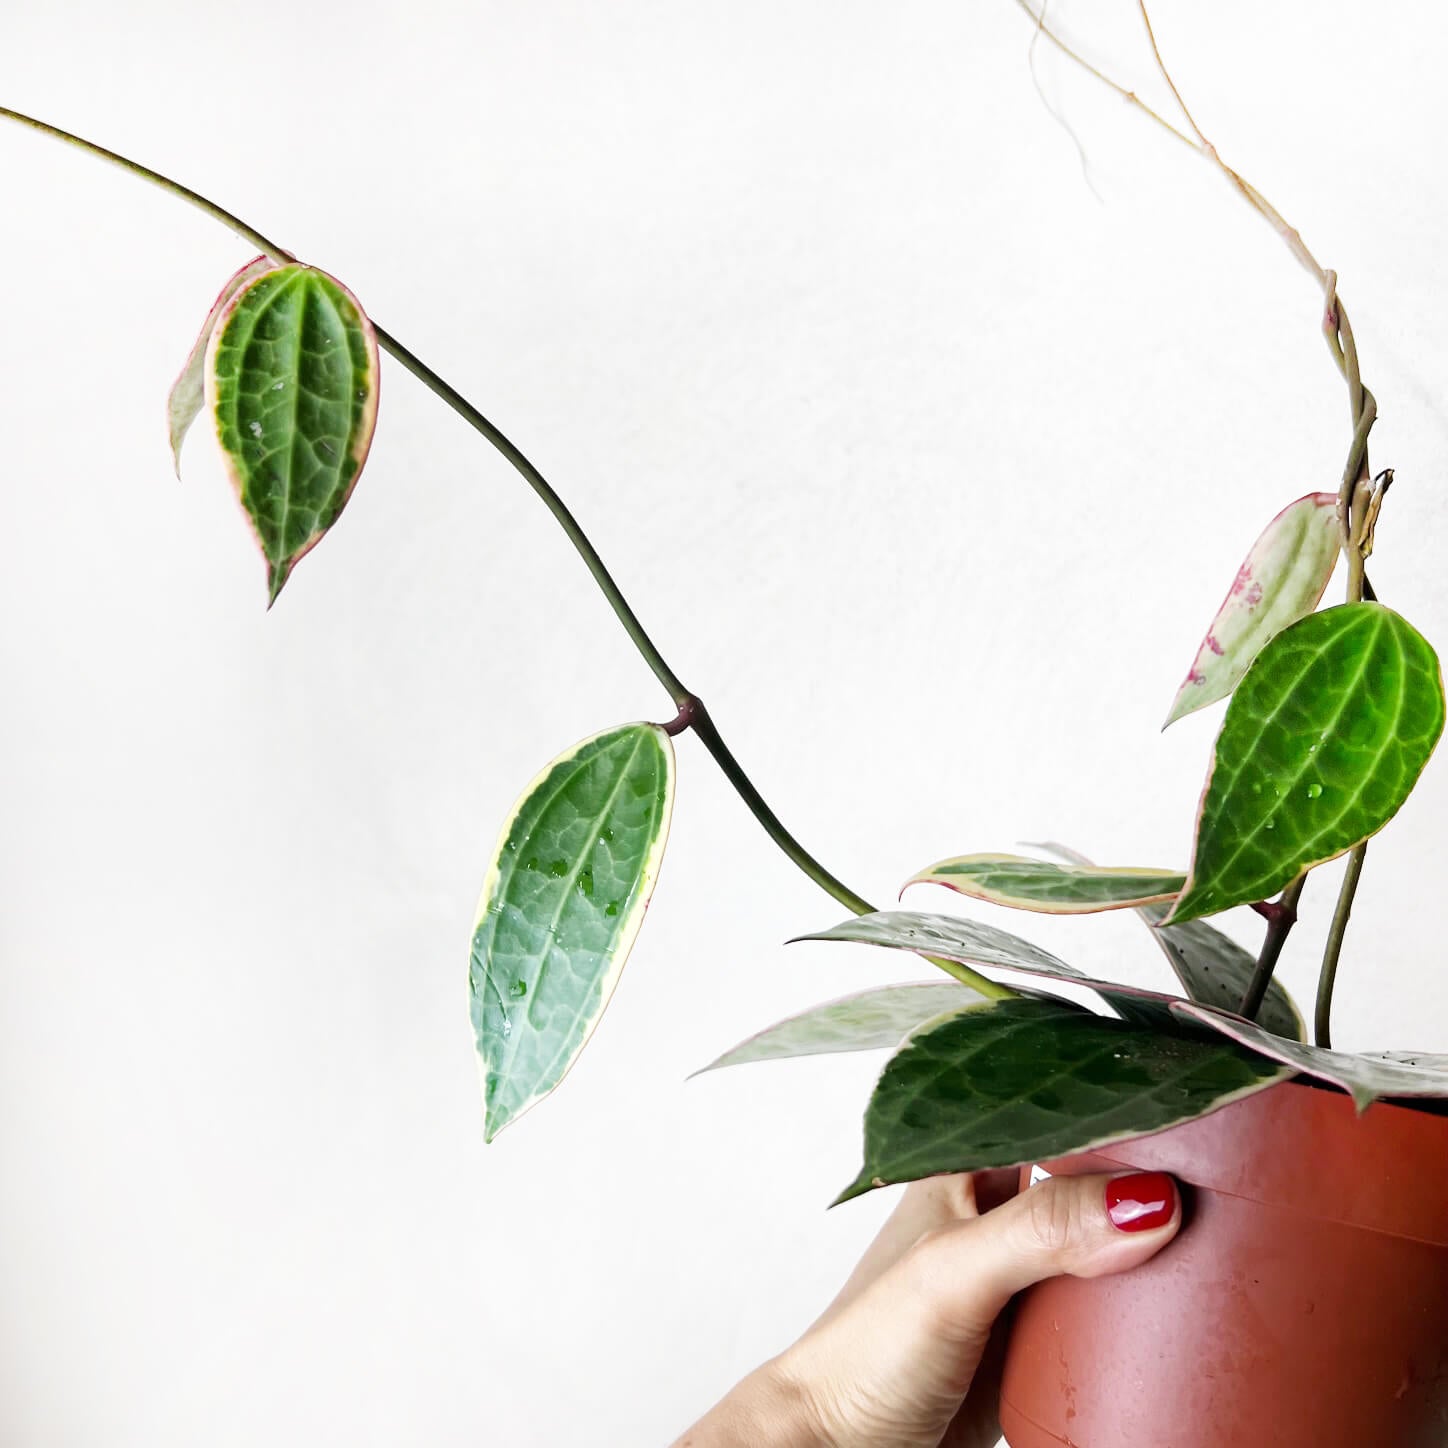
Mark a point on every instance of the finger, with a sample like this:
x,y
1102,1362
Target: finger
x,y
1083,1226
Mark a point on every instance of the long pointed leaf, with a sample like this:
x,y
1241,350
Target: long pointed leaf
x,y
561,906
974,943
292,381
1023,1080
1366,1078
1281,580
1042,885
1322,742
866,1021
188,392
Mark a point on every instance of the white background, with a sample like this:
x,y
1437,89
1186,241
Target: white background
x,y
927,468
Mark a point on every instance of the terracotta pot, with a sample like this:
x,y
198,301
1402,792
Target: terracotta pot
x,y
1303,1305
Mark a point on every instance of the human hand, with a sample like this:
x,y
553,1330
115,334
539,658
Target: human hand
x,y
905,1356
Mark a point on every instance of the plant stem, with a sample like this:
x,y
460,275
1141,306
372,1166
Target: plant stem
x,y
1354,497
1322,1018
692,712
184,193
1281,917
646,647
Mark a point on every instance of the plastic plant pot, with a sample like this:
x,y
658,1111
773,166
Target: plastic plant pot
x,y
1303,1305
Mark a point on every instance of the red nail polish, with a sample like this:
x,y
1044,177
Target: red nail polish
x,y
1140,1202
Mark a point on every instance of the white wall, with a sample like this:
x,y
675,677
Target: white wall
x,y
927,467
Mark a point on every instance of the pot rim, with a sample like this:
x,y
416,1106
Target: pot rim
x,y
1304,1149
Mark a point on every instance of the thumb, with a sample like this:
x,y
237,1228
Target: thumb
x,y
1081,1226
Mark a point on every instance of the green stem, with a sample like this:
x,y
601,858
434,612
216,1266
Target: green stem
x,y
1322,1019
1281,917
175,188
550,500
1351,499
1354,494
691,708
703,726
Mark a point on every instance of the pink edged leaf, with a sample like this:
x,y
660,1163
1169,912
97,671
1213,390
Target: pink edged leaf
x,y
866,1021
973,942
1321,743
1365,1077
1042,885
291,381
1281,580
188,392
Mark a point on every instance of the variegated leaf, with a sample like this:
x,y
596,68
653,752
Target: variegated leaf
x,y
866,1021
1026,1080
1281,580
1365,1077
292,383
1044,886
561,907
188,392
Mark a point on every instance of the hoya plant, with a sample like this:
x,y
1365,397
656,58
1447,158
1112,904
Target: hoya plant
x,y
1331,714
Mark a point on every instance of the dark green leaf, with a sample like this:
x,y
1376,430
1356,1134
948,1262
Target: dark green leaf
x,y
1021,1081
1365,1077
1322,742
867,1021
1044,886
292,379
563,901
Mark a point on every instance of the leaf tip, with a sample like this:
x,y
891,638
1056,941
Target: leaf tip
x,y
857,1188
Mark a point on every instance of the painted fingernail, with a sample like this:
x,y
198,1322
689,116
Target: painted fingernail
x,y
1140,1202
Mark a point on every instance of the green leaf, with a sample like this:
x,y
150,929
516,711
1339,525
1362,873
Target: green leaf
x,y
866,1021
1322,742
1211,967
1364,1077
1281,580
973,943
561,906
188,392
1024,1080
1044,886
292,380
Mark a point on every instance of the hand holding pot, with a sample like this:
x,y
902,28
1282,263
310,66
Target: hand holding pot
x,y
905,1356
